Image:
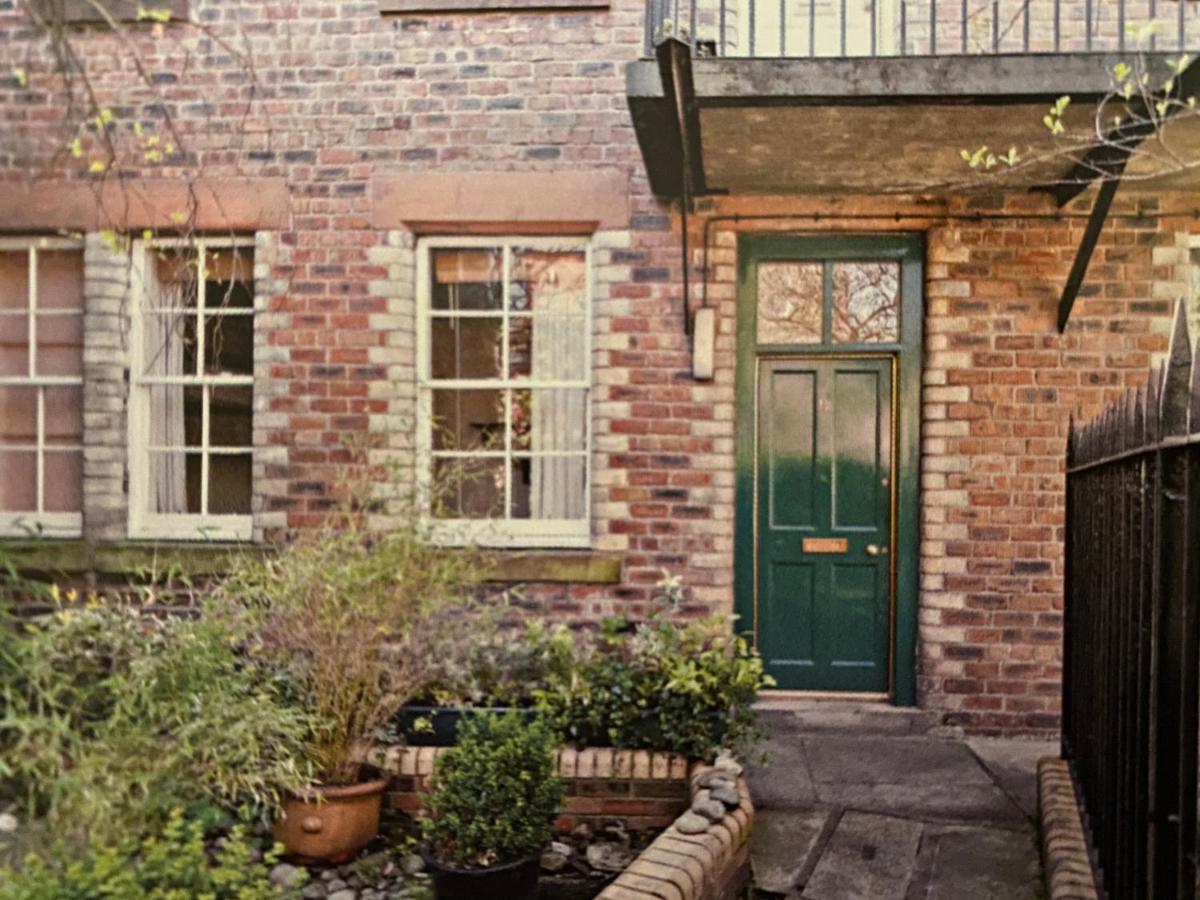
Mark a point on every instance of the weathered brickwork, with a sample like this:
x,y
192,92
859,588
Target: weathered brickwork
x,y
345,95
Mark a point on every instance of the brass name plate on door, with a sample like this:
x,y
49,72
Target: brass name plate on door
x,y
825,545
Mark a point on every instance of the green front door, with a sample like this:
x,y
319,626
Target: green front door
x,y
824,488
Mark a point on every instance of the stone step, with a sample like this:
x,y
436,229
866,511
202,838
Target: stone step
x,y
801,716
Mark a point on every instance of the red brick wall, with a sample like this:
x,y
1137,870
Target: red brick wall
x,y
347,94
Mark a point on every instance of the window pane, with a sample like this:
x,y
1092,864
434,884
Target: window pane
x,y
14,279
467,279
548,347
60,279
18,415
866,302
466,348
468,488
229,345
14,345
64,481
173,415
171,277
173,484
549,419
168,344
468,420
790,302
18,481
229,484
549,487
548,281
59,345
64,415
230,417
229,278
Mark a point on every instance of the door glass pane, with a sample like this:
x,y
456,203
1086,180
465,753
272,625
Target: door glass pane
x,y
64,481
790,302
866,302
467,279
856,438
18,481
14,279
466,347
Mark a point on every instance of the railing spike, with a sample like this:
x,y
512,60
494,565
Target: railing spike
x,y
1071,440
1139,418
1173,419
1194,412
1152,410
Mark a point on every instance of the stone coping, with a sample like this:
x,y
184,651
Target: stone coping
x,y
1065,859
713,865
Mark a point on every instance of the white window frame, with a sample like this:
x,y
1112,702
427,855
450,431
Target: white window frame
x,y
506,532
35,523
178,526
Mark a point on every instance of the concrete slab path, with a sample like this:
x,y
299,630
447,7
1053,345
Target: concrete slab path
x,y
859,803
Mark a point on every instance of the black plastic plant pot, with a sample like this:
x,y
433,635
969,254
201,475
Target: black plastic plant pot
x,y
444,722
512,881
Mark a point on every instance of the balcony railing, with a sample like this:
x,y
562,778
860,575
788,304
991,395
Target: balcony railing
x,y
792,29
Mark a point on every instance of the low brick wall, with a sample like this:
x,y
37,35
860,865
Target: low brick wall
x,y
1064,847
643,789
714,865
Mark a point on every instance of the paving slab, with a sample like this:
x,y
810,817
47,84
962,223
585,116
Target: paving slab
x,y
784,781
909,763
979,863
869,856
1013,765
782,846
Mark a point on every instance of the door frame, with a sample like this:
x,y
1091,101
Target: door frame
x,y
909,251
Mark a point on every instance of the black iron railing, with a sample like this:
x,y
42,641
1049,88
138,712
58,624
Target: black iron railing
x,y
850,28
1132,631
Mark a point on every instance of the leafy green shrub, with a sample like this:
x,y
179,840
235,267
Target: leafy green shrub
x,y
660,686
172,865
356,618
109,718
495,794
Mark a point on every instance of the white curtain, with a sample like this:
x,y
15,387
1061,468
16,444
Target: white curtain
x,y
559,415
164,346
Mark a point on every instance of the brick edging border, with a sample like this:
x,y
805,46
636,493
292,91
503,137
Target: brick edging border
x,y
1065,859
714,865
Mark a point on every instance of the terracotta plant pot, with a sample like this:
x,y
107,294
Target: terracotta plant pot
x,y
334,828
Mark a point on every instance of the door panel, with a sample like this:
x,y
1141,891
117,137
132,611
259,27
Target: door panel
x,y
824,474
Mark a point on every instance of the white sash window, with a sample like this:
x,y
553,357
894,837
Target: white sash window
x,y
504,358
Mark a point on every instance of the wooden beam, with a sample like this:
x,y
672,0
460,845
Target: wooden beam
x,y
679,92
1083,255
1107,159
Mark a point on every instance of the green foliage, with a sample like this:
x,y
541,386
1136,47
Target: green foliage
x,y
357,619
109,718
172,865
658,685
495,794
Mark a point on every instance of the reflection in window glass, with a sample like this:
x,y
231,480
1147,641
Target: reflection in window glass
x,y
790,302
866,302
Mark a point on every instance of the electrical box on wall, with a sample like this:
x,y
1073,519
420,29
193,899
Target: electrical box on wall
x,y
704,326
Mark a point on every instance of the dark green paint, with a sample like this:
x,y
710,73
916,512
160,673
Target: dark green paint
x,y
836,630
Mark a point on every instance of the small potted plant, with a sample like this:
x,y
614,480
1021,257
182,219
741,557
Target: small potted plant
x,y
488,817
353,619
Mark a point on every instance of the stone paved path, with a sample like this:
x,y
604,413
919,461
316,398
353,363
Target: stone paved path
x,y
859,803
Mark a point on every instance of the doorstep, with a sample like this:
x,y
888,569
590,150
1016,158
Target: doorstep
x,y
786,713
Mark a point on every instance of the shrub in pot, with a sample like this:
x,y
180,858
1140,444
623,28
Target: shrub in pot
x,y
490,811
355,618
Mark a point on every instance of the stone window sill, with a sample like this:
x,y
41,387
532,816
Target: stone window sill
x,y
431,7
54,557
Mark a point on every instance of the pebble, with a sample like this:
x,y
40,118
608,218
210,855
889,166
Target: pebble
x,y
727,795
553,861
315,890
690,823
412,863
710,809
726,763
286,876
715,778
8,823
609,857
344,894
